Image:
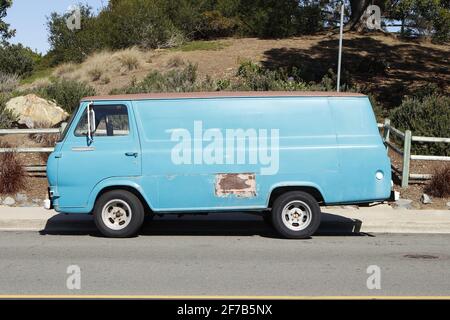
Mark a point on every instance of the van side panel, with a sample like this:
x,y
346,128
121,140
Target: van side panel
x,y
308,150
361,151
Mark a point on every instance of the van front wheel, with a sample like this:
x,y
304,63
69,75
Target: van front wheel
x,y
296,215
118,214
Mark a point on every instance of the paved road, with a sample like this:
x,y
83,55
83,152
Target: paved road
x,y
234,258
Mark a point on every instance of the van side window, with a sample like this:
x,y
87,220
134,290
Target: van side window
x,y
110,120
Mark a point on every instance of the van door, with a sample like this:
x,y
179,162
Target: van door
x,y
113,152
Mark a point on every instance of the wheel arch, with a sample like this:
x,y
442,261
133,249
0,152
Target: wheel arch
x,y
110,185
311,189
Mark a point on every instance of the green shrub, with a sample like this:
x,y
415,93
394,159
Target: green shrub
x,y
253,77
215,24
16,59
66,93
67,45
176,80
7,118
429,116
426,90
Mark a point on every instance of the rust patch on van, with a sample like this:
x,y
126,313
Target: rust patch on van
x,y
238,184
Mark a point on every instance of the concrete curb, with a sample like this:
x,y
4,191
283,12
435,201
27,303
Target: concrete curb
x,y
378,219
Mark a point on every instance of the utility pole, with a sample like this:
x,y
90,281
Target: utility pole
x,y
341,34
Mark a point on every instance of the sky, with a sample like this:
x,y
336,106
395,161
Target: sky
x,y
29,18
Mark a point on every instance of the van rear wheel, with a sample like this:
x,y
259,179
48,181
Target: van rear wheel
x,y
296,215
118,214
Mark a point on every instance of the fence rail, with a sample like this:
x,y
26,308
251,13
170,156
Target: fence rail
x,y
35,169
387,130
407,138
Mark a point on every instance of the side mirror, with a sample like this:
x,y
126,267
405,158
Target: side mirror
x,y
90,122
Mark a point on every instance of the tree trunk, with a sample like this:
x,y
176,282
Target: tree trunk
x,y
357,8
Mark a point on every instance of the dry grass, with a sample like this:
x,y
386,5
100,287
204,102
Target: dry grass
x,y
95,73
105,65
12,174
421,62
64,69
130,59
8,82
439,186
175,62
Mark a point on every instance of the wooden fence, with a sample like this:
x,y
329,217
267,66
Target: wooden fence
x,y
387,130
407,139
36,169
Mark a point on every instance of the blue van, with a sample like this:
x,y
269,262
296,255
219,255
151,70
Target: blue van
x,y
279,153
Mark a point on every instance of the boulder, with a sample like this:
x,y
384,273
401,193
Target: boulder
x,y
33,110
8,201
21,197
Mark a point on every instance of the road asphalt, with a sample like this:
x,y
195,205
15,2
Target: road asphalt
x,y
236,258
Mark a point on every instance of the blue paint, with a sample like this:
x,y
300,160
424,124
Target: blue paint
x,y
329,143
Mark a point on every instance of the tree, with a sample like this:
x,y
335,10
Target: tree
x,y
74,45
5,31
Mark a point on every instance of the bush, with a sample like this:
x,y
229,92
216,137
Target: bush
x,y
176,80
439,186
429,116
12,174
95,73
129,58
16,59
7,118
75,46
215,24
8,82
66,93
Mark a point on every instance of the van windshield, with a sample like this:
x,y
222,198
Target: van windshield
x,y
69,123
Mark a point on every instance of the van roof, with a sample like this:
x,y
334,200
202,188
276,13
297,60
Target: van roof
x,y
223,94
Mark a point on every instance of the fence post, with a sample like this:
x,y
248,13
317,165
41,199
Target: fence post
x,y
406,158
387,130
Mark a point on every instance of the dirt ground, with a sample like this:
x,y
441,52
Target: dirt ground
x,y
406,65
416,188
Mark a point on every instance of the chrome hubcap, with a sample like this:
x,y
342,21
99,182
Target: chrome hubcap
x,y
296,215
116,214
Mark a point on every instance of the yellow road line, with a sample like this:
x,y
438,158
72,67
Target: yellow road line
x,y
188,297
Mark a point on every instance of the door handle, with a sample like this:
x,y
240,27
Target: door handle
x,y
131,154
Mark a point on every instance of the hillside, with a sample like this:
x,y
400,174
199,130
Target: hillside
x,y
379,64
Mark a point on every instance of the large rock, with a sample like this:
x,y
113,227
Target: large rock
x,y
9,201
32,110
